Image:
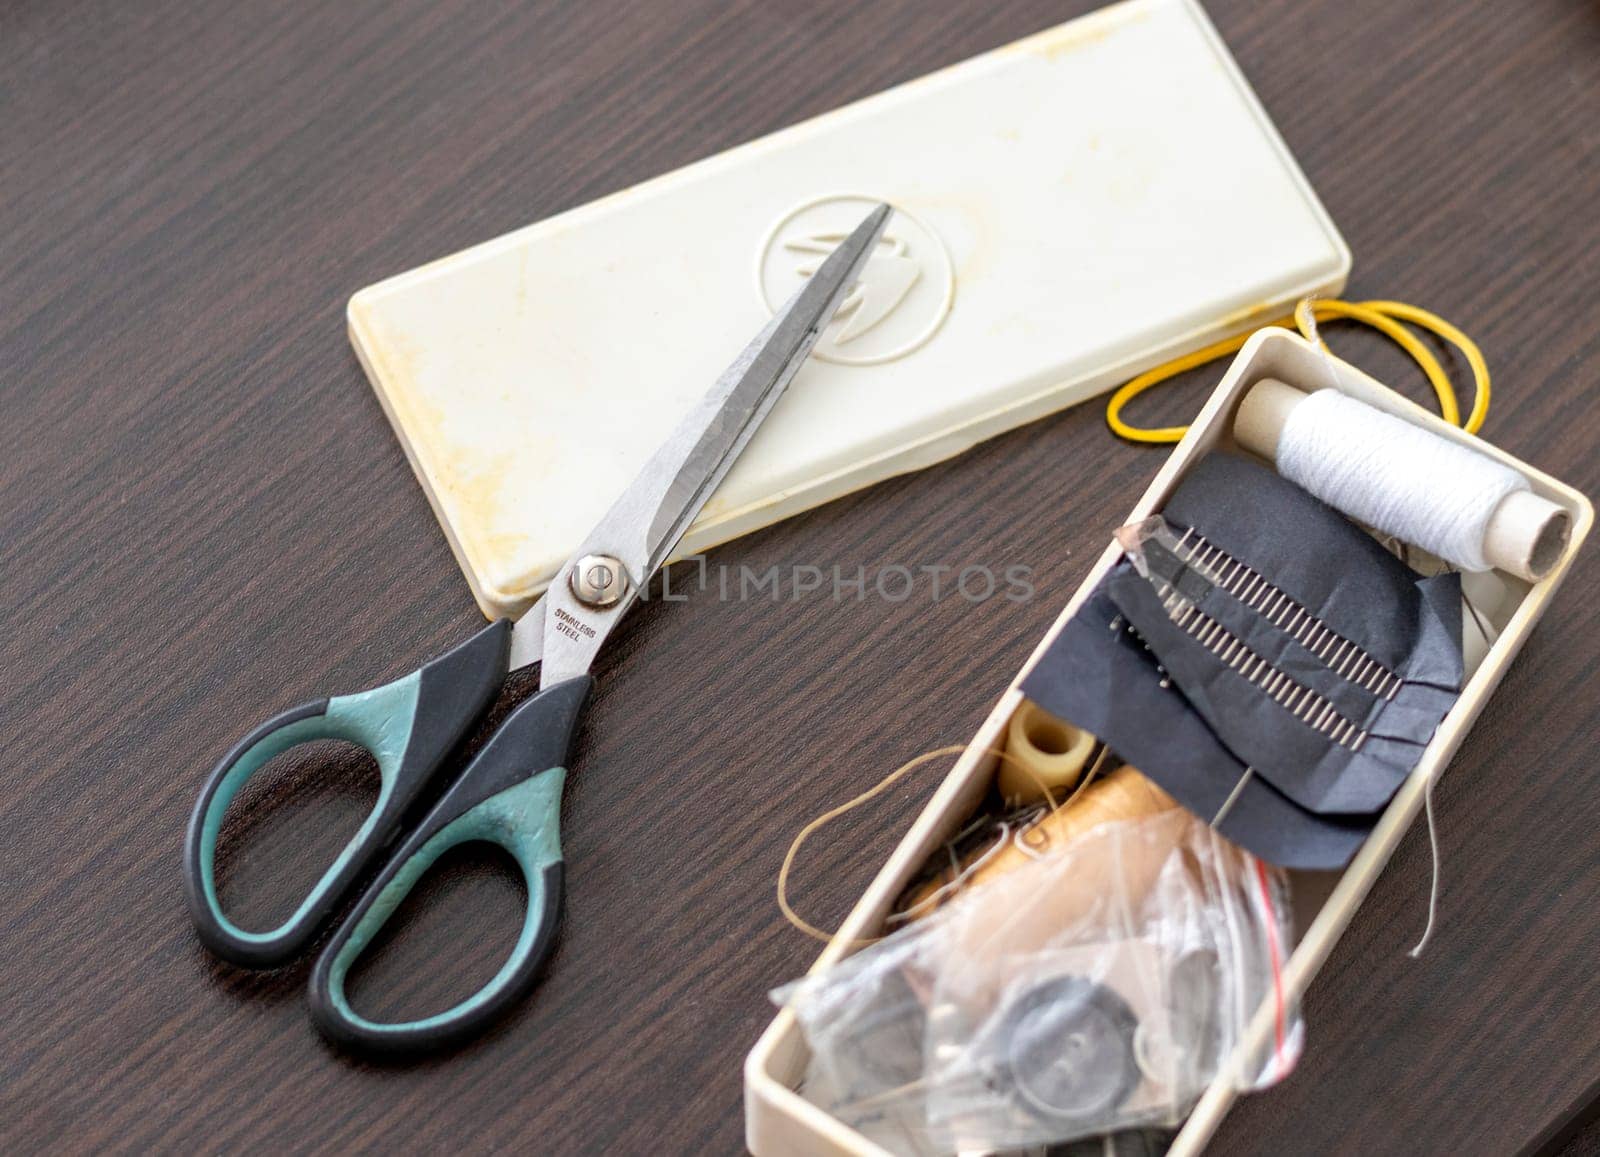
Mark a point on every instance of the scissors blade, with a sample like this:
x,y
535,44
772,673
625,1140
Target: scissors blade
x,y
648,520
527,637
710,439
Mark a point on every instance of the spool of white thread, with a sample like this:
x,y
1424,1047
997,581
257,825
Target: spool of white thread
x,y
1398,478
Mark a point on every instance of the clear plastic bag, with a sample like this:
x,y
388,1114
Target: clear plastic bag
x,y
1101,986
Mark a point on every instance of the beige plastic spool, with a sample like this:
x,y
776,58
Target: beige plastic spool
x,y
1526,534
1043,755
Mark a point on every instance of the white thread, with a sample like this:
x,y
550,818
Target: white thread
x,y
1395,477
1433,891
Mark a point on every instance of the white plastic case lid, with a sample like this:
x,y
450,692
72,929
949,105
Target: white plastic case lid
x,y
1074,207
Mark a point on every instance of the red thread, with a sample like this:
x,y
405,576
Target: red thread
x,y
1276,953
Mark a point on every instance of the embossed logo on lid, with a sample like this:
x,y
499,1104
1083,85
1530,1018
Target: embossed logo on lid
x,y
902,297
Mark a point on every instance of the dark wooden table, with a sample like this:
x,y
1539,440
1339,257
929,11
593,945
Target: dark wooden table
x,y
204,516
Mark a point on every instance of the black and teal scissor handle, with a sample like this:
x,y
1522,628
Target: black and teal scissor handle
x,y
410,726
510,795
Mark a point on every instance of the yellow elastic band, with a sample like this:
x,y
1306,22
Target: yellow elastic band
x,y
1383,316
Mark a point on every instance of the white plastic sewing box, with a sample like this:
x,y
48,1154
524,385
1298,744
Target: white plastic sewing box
x,y
782,1123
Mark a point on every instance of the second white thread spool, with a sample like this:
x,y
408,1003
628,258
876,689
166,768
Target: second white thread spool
x,y
1398,478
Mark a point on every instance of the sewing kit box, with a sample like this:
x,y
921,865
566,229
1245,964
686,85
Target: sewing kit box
x,y
782,1123
1072,209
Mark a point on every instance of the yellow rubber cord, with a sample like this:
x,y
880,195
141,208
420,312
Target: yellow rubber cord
x,y
1384,316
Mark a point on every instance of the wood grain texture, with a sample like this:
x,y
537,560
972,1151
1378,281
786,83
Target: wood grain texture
x,y
205,518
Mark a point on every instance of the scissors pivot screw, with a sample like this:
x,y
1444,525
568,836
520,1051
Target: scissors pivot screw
x,y
598,580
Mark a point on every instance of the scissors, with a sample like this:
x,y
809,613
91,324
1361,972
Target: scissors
x,y
509,794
